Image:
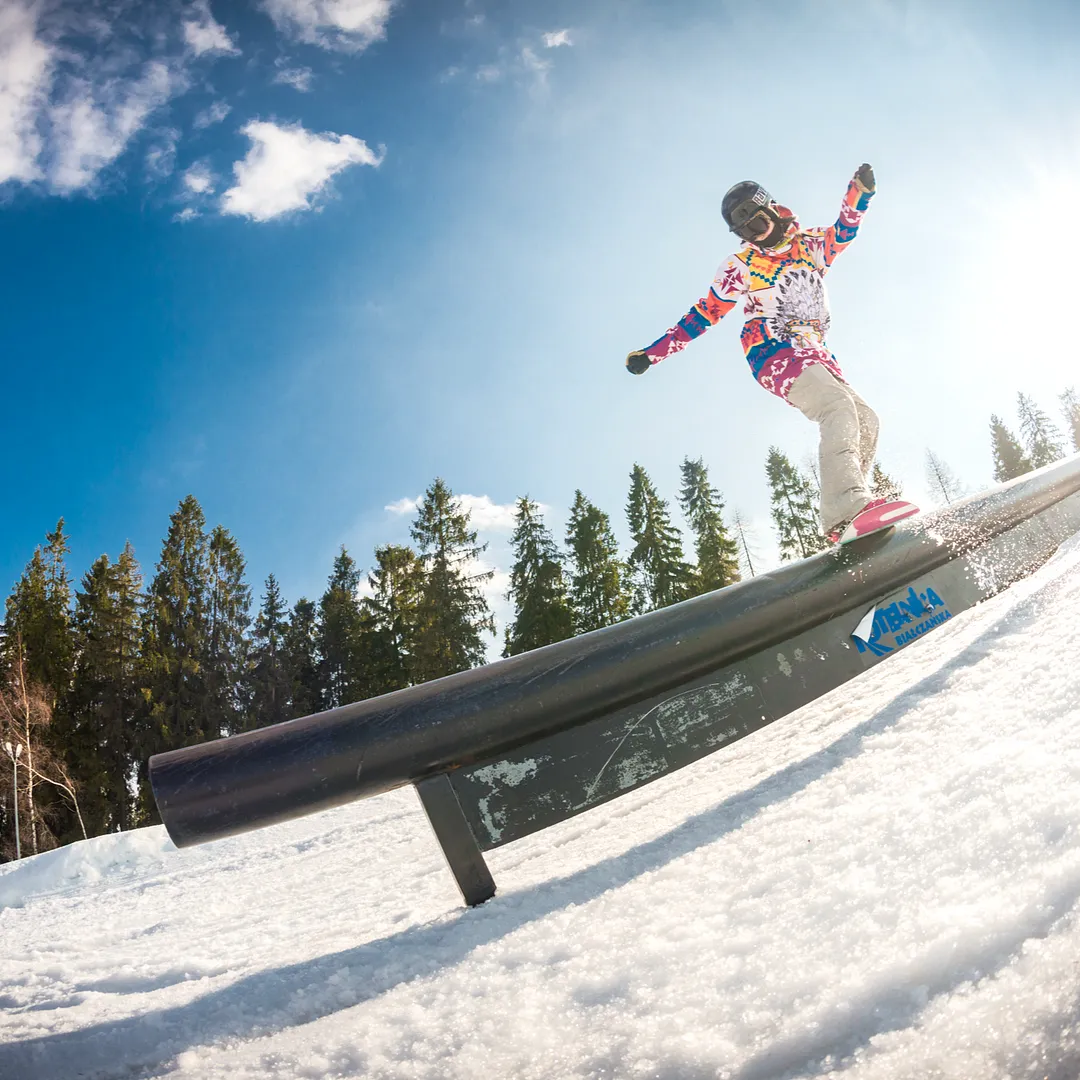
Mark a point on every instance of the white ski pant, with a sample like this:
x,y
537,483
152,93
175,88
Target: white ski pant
x,y
849,434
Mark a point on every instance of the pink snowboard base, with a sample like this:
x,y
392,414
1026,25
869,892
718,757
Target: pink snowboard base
x,y
879,515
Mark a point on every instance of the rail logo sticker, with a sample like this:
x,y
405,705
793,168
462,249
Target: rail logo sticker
x,y
885,629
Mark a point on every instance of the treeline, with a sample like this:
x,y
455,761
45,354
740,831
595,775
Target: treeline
x,y
1040,442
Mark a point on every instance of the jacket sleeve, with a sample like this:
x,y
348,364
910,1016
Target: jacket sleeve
x,y
730,283
828,243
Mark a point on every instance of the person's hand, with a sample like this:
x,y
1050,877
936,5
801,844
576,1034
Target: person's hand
x,y
637,363
864,178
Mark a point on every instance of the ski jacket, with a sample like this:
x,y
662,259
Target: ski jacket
x,y
786,306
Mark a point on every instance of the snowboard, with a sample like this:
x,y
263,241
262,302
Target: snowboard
x,y
877,518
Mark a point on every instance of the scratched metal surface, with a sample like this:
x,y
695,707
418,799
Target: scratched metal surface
x,y
562,775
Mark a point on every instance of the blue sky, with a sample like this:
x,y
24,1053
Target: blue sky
x,y
299,257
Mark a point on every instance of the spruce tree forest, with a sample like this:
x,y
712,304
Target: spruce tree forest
x,y
98,675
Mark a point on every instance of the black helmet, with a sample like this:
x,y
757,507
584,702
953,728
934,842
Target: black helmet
x,y
742,202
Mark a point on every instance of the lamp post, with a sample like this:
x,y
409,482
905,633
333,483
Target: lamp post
x,y
15,752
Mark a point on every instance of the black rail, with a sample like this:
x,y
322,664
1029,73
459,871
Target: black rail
x,y
273,774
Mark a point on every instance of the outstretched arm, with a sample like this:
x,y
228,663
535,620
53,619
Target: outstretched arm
x,y
729,284
856,199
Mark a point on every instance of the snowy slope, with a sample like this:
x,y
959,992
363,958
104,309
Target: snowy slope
x,y
884,884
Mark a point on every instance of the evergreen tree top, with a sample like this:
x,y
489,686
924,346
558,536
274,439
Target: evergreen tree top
x,y
659,573
441,527
598,589
1010,460
451,612
542,612
883,486
271,621
793,508
345,575
1042,439
1070,408
717,552
700,501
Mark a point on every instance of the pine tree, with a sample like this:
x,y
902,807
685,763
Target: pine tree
x,y
302,658
942,480
391,613
1070,408
1010,460
270,682
598,592
659,574
338,636
1042,439
228,610
96,728
38,614
717,553
793,508
175,644
542,612
452,613
883,486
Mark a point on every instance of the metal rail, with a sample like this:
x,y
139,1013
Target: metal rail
x,y
274,774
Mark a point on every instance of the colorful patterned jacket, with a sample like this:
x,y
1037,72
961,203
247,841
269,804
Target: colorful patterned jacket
x,y
786,309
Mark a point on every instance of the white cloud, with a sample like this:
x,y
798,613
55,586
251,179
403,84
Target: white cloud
x,y
204,34
93,124
287,166
347,25
297,78
486,515
198,179
522,64
213,114
78,83
187,214
25,75
557,38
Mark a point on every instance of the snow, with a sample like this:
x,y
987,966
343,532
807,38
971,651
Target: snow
x,y
884,884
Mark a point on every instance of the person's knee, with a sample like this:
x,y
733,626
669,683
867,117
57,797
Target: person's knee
x,y
839,407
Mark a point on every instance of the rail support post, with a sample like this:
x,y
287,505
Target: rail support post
x,y
456,839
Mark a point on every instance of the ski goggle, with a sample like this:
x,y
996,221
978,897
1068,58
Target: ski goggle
x,y
748,218
755,227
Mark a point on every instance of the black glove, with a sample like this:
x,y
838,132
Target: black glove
x,y
865,175
637,363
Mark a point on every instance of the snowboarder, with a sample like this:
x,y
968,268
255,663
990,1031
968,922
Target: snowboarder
x,y
780,270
